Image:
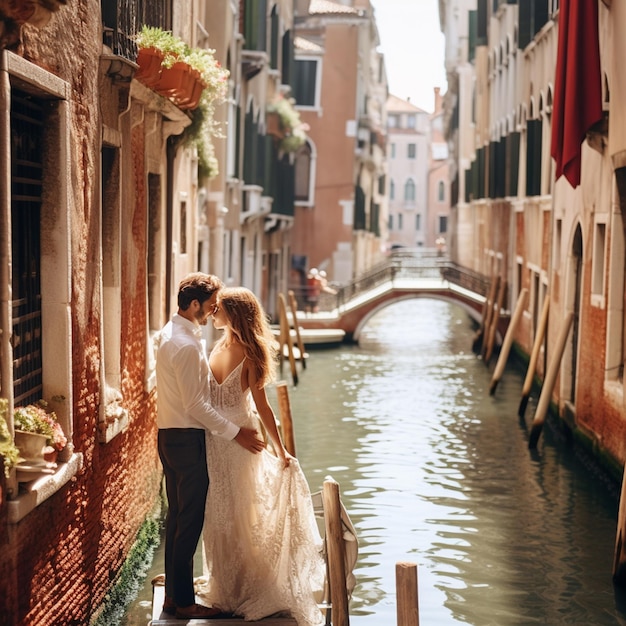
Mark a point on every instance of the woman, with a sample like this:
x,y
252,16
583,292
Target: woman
x,y
262,546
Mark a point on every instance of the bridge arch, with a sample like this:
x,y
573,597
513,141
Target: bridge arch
x,y
473,313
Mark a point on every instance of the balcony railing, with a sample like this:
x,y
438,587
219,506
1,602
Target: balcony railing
x,y
123,19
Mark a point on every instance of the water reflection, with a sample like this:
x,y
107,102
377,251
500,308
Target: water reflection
x,y
434,470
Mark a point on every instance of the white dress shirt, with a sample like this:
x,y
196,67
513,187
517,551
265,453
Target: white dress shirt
x,y
182,375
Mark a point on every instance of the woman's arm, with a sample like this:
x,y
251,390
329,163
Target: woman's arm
x,y
265,412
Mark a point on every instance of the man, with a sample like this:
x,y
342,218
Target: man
x,y
183,415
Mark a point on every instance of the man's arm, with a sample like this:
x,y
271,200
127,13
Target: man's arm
x,y
192,376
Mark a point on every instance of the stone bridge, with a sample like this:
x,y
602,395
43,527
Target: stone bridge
x,y
403,276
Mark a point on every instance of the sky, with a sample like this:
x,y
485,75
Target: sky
x,y
413,45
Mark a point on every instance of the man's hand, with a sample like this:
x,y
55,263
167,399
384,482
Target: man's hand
x,y
250,439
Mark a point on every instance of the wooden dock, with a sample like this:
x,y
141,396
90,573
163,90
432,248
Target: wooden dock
x,y
164,619
340,559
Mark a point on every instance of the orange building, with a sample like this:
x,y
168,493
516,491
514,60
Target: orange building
x,y
340,90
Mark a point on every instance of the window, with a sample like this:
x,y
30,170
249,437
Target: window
x,y
390,222
392,121
443,224
304,175
411,121
418,222
393,150
392,190
306,87
599,245
40,350
441,193
400,224
411,151
409,191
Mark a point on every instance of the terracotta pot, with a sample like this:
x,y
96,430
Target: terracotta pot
x,y
149,71
273,125
30,445
193,101
176,82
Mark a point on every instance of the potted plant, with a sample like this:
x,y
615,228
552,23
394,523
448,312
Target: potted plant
x,y
291,131
8,450
38,434
158,49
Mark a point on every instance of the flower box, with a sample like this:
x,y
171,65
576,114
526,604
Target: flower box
x,y
273,125
149,61
191,102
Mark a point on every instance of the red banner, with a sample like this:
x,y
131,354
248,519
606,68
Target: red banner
x,y
577,101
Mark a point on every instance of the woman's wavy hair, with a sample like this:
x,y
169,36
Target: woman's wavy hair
x,y
249,324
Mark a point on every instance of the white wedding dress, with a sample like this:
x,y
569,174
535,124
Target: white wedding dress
x,y
262,546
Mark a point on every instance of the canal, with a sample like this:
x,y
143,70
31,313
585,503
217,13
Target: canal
x,y
434,470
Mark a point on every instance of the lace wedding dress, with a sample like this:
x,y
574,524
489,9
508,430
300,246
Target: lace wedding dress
x,y
262,547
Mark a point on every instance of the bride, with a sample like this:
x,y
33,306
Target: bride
x,y
262,547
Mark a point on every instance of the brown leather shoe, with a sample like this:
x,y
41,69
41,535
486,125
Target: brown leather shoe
x,y
169,606
196,611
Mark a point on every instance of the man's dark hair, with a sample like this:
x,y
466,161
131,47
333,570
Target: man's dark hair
x,y
197,286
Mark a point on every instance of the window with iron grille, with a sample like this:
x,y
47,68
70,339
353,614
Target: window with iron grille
x,y
26,191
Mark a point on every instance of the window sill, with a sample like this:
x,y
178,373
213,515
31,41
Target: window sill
x,y
109,430
42,488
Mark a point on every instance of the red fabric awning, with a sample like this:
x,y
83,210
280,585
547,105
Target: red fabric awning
x,y
577,101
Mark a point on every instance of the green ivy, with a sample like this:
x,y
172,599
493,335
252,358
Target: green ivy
x,y
132,575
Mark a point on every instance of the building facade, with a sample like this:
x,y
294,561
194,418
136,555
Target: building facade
x,y
340,91
538,192
438,181
113,189
408,172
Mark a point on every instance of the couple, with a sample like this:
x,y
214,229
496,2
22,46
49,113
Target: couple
x,y
261,541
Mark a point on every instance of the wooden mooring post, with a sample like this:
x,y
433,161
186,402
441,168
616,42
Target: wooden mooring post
x,y
293,305
619,561
285,338
335,553
286,421
508,340
549,380
493,324
406,594
534,356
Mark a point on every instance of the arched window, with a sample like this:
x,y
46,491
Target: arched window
x,y
441,193
392,190
409,191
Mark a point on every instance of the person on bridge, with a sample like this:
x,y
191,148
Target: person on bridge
x,y
262,545
313,289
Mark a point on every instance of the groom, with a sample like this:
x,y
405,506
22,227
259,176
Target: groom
x,y
183,416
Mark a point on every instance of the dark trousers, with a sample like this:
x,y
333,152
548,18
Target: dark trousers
x,y
183,455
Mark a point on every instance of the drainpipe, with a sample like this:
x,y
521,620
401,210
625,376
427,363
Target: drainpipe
x,y
169,209
6,365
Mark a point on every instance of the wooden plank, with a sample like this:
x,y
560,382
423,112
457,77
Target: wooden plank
x,y
163,619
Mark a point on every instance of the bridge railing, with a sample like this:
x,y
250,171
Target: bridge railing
x,y
401,264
